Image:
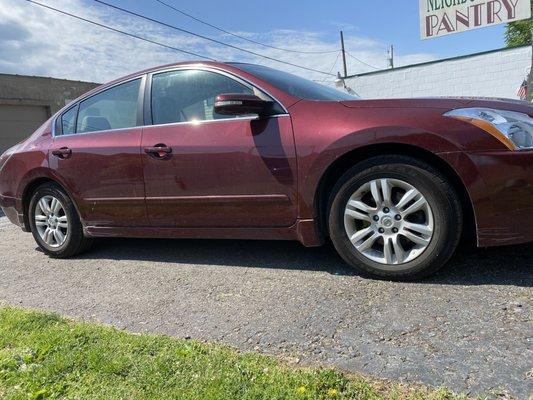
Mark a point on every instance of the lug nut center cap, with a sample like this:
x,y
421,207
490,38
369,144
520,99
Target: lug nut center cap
x,y
387,222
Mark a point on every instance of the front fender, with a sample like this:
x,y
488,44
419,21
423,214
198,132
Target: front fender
x,y
361,145
328,132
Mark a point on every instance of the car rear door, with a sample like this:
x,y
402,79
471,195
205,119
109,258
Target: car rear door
x,y
96,153
213,170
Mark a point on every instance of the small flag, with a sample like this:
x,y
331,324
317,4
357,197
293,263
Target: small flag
x,y
522,92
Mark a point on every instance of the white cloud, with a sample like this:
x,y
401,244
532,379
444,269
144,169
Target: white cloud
x,y
36,41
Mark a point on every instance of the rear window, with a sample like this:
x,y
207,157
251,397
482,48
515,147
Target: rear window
x,y
114,108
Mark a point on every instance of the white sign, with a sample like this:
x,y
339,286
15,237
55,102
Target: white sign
x,y
444,17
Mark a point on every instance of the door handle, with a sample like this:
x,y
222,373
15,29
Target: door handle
x,y
63,152
160,151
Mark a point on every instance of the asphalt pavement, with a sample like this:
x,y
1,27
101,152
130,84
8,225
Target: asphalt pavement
x,y
469,327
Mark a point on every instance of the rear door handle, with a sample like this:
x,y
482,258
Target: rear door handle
x,y
160,151
63,152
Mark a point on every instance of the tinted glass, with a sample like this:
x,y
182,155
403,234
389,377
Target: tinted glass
x,y
294,85
68,122
189,95
114,108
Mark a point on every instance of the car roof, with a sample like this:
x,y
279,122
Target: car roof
x,y
214,64
189,63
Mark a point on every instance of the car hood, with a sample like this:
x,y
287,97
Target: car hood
x,y
444,103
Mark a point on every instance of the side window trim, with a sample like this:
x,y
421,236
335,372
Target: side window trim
x,y
57,126
147,109
148,92
140,102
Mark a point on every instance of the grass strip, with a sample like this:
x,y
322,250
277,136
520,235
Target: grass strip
x,y
46,356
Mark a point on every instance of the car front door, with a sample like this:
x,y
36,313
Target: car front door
x,y
207,170
96,153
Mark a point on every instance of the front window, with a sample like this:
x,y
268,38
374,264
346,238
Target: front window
x,y
114,108
189,95
295,85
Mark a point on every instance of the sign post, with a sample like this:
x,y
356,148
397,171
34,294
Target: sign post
x,y
445,17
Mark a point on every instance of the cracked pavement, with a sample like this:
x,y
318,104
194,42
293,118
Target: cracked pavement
x,y
468,328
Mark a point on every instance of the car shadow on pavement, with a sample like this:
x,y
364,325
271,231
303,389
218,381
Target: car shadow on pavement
x,y
509,265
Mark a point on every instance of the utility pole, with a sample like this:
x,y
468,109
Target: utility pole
x,y
391,56
343,56
530,76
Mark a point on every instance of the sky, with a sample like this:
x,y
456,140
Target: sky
x,y
36,41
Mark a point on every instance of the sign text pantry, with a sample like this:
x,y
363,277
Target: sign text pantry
x,y
444,17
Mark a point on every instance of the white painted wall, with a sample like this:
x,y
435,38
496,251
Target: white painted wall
x,y
495,74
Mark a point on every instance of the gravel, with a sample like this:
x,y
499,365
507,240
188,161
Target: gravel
x,y
468,328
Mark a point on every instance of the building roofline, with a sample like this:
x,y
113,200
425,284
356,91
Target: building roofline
x,y
436,61
48,77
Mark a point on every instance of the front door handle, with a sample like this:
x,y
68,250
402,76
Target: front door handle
x,y
160,151
63,152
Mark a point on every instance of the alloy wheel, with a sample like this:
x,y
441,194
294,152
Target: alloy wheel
x,y
51,221
389,221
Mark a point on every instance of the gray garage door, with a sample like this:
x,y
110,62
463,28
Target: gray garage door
x,y
19,122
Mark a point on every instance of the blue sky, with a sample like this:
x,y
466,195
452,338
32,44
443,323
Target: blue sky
x,y
56,45
387,21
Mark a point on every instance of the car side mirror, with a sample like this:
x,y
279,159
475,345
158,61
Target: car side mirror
x,y
242,104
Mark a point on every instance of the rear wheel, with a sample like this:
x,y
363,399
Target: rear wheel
x,y
395,217
55,224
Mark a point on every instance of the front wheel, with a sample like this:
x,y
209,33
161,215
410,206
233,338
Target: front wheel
x,y
395,217
55,224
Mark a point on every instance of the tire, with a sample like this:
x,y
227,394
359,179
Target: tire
x,y
68,239
418,242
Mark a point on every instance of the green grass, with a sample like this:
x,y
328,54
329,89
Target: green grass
x,y
46,356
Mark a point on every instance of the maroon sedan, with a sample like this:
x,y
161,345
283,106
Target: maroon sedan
x,y
215,150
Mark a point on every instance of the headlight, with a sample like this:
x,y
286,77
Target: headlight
x,y
513,129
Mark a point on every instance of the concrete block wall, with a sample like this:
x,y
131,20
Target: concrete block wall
x,y
40,91
497,73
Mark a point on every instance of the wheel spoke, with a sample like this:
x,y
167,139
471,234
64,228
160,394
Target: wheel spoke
x,y
40,220
55,206
62,222
48,236
58,236
43,204
367,243
417,205
406,198
359,235
387,250
358,210
386,189
398,249
424,230
415,238
376,195
357,215
359,205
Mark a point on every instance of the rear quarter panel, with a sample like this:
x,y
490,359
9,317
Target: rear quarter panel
x,y
29,160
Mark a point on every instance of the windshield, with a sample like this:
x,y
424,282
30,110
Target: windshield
x,y
294,85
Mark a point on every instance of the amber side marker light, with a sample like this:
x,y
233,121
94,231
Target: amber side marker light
x,y
489,128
